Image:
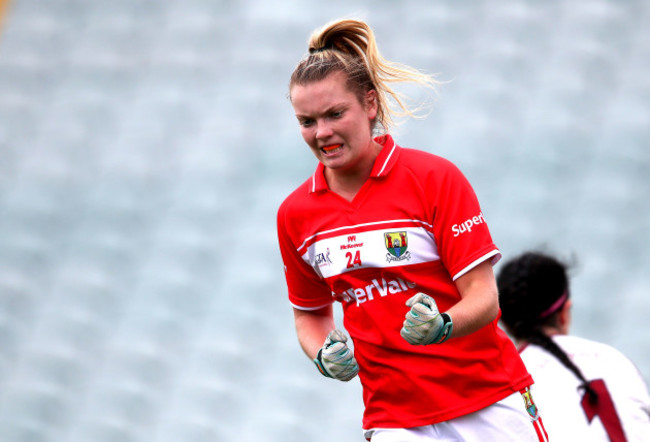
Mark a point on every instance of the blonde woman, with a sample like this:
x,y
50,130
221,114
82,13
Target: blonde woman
x,y
396,236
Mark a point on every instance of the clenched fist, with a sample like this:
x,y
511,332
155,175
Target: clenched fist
x,y
424,324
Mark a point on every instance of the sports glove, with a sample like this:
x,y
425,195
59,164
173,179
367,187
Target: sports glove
x,y
424,324
335,359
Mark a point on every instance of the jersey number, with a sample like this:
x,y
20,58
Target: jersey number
x,y
605,410
353,260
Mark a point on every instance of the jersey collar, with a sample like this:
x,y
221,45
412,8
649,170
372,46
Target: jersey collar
x,y
383,164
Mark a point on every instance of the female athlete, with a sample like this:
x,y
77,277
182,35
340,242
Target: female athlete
x,y
588,390
397,237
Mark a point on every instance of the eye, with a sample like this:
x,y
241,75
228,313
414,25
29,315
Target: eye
x,y
337,114
305,122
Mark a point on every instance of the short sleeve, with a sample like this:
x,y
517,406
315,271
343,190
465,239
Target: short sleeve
x,y
307,291
459,225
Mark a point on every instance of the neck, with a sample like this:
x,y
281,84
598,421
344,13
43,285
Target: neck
x,y
347,183
552,331
548,331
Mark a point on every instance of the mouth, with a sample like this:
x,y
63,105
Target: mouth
x,y
332,148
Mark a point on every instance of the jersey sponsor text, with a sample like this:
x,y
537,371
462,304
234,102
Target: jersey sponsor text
x,y
466,226
376,287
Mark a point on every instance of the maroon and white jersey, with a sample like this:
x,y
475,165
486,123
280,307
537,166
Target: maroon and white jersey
x,y
623,408
414,226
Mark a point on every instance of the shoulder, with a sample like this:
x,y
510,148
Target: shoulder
x,y
295,200
596,355
417,157
576,345
429,165
585,353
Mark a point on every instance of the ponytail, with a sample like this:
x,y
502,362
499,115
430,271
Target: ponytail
x,y
532,288
537,337
349,46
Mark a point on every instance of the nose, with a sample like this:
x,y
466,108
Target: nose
x,y
323,130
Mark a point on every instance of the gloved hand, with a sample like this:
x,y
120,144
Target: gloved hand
x,y
335,359
424,324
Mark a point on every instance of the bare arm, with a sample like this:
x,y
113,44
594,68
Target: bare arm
x,y
312,327
479,304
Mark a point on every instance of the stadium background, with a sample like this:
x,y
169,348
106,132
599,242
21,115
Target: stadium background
x,y
145,147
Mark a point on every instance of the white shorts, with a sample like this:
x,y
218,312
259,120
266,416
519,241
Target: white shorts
x,y
506,420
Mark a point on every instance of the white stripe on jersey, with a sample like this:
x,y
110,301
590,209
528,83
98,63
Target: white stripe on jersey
x,y
387,159
353,250
353,229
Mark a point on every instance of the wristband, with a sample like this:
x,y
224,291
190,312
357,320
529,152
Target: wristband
x,y
445,331
319,364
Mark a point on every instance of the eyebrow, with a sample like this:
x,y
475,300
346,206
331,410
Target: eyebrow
x,y
330,109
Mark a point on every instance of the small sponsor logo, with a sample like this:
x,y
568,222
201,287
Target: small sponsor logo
x,y
323,259
352,243
467,225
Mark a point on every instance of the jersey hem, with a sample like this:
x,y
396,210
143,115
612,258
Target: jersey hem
x,y
307,309
494,254
436,419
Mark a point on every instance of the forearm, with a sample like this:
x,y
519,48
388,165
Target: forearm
x,y
479,304
312,327
469,316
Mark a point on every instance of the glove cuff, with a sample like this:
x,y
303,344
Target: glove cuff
x,y
445,331
319,364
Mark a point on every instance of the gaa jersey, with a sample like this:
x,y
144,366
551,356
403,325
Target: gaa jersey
x,y
414,226
623,408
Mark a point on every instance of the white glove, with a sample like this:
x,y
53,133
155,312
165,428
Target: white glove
x,y
335,359
424,324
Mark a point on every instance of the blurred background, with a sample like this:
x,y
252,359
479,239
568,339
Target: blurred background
x,y
145,147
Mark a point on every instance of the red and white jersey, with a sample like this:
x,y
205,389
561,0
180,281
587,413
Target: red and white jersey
x,y
559,400
414,226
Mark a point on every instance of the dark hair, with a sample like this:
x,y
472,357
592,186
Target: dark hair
x,y
533,287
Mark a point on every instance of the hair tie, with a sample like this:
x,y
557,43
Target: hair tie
x,y
555,306
313,51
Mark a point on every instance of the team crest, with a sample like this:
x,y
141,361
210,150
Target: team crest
x,y
531,407
397,245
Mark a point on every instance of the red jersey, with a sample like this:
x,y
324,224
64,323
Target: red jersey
x,y
414,226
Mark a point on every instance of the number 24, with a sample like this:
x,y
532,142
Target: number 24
x,y
353,260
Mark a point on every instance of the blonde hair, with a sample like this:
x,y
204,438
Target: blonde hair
x,y
349,46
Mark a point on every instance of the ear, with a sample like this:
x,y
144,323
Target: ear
x,y
371,104
564,317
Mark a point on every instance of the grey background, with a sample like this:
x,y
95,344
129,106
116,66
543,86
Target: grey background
x,y
145,147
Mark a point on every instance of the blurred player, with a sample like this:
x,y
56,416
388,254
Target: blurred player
x,y
588,390
397,237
